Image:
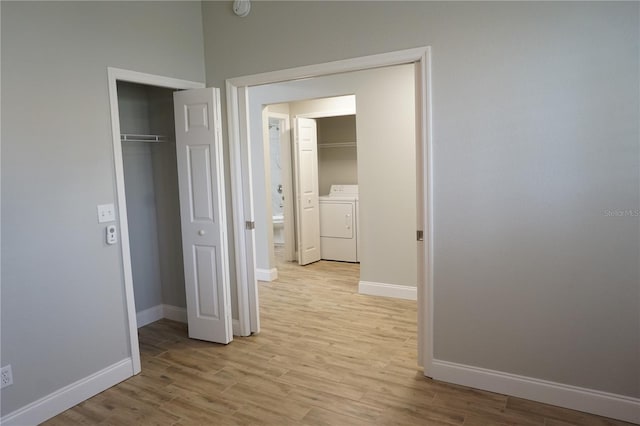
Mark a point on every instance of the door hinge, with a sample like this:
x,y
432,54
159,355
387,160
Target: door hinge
x,y
420,235
249,224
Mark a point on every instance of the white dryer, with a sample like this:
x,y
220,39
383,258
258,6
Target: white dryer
x,y
339,224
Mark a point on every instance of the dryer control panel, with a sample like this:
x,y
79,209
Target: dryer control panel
x,y
343,190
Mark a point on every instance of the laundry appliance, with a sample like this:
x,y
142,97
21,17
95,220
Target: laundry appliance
x,y
339,222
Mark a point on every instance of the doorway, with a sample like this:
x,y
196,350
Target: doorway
x,y
197,155
152,201
278,135
238,104
334,172
116,75
384,168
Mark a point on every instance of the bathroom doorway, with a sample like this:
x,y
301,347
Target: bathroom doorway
x,y
281,184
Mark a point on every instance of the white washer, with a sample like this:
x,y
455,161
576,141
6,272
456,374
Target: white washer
x,y
339,224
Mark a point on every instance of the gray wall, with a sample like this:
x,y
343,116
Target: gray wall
x,y
143,224
337,165
63,310
535,125
165,178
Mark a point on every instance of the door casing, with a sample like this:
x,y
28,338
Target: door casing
x,y
239,147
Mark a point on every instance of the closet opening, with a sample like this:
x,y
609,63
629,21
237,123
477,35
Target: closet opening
x,y
149,162
168,164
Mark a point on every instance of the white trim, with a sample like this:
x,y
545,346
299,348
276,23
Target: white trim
x,y
70,395
152,79
337,67
266,274
242,207
175,313
388,290
114,75
577,398
329,113
150,315
155,313
240,170
424,146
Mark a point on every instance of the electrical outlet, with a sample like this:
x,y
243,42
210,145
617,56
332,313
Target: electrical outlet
x,y
6,376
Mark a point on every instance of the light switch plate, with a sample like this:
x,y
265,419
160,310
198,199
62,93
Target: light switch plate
x,y
106,213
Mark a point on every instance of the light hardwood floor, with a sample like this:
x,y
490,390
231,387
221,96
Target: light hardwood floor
x,y
326,356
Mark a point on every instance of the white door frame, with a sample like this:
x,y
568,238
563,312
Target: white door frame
x,y
239,147
115,75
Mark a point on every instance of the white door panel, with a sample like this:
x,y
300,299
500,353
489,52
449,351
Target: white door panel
x,y
199,172
206,272
306,170
204,240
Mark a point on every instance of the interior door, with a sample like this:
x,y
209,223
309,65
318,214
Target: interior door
x,y
306,178
202,211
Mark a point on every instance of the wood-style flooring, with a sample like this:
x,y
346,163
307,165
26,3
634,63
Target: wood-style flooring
x,y
326,356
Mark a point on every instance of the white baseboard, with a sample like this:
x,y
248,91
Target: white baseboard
x,y
158,312
577,398
68,396
235,324
174,313
388,290
266,274
149,315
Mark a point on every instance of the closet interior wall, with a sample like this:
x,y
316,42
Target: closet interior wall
x,y
151,187
337,152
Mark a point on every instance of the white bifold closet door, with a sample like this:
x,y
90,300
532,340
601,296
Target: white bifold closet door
x,y
306,179
202,210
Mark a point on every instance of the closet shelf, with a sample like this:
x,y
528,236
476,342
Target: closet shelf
x,y
337,145
129,137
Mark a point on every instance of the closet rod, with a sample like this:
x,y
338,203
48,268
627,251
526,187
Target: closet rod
x,y
128,137
337,145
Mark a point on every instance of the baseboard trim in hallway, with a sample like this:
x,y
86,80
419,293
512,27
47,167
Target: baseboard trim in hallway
x,y
266,274
388,290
